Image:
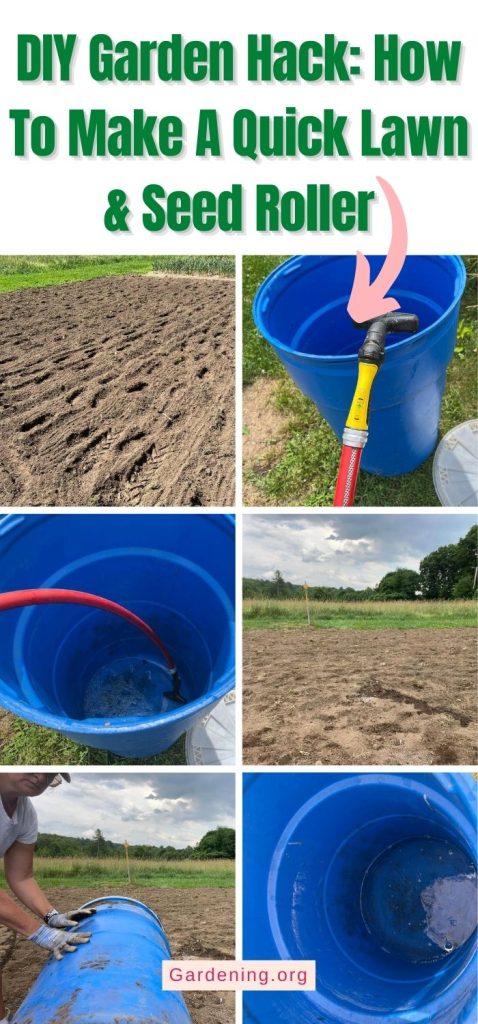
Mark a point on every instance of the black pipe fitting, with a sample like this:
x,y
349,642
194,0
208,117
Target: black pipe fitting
x,y
175,693
373,348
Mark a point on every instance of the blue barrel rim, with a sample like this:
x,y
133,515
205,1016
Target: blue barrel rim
x,y
10,522
451,784
310,357
119,899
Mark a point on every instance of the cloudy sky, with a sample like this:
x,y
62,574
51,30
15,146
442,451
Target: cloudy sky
x,y
343,550
156,808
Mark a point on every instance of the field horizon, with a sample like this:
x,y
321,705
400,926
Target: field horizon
x,y
260,613
70,872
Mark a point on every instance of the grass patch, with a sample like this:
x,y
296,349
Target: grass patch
x,y
258,356
223,265
70,872
306,470
38,271
25,743
263,614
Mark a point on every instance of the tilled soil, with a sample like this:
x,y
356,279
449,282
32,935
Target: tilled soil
x,y
118,391
199,924
334,696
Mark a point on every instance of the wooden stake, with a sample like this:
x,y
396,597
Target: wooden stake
x,y
127,860
306,588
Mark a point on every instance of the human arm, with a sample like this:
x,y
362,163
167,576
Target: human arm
x,y
14,917
18,864
19,874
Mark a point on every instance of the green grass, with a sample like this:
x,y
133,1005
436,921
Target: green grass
x,y
38,271
70,872
258,357
305,471
223,265
25,743
263,614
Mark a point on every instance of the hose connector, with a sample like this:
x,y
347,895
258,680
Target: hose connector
x,y
354,438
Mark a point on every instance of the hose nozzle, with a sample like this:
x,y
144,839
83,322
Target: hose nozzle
x,y
175,694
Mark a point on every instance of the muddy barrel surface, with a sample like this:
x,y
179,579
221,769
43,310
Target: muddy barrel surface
x,y
115,977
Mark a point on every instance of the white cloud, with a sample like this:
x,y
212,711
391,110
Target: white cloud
x,y
166,806
157,808
347,550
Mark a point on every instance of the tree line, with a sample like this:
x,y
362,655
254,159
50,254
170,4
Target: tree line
x,y
445,574
218,843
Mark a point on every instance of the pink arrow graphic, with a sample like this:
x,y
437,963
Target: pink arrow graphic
x,y
368,301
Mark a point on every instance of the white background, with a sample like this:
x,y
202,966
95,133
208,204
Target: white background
x,y
56,205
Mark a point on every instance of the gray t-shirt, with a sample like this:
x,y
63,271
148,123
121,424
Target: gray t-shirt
x,y
22,827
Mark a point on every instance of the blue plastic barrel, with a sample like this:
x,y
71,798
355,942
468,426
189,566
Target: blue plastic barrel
x,y
116,977
314,849
301,308
92,676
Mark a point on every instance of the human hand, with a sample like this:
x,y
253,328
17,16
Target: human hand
x,y
57,942
73,917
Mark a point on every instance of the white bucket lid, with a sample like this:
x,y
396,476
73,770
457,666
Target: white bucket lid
x,y
213,740
455,466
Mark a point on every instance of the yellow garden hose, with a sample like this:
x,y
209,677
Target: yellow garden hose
x,y
370,358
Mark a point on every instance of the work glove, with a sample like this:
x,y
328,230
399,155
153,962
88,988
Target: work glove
x,y
56,941
56,920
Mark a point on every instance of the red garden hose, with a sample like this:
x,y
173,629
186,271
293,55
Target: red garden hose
x,y
347,476
24,598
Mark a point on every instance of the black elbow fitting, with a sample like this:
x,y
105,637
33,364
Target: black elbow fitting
x,y
373,348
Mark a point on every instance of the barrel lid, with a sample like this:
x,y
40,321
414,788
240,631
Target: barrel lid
x,y
213,740
455,466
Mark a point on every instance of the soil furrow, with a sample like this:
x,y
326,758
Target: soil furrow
x,y
133,361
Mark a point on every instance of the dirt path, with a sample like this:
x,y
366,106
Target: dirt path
x,y
262,441
333,696
118,391
199,924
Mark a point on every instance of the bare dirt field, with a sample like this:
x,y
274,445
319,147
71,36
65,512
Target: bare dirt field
x,y
335,696
199,924
118,391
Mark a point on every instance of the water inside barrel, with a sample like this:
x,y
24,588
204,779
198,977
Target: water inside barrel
x,y
418,899
127,687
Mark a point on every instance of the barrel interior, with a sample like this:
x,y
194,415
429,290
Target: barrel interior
x,y
87,665
321,897
304,304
